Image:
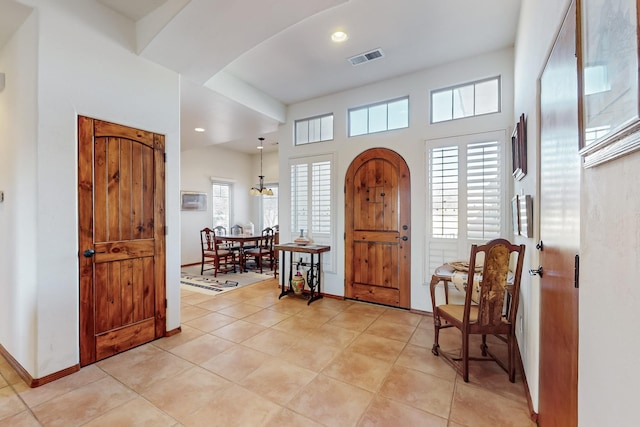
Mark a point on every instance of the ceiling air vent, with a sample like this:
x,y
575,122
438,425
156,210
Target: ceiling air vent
x,y
366,57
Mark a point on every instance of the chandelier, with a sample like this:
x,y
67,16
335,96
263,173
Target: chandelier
x,y
261,190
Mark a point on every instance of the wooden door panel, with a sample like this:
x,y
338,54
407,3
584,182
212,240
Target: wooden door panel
x,y
376,189
559,230
381,256
121,193
124,338
123,177
375,294
114,251
377,229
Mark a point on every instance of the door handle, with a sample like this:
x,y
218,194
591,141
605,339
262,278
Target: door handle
x,y
404,238
536,272
88,253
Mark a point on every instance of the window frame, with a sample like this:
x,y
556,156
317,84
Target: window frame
x,y
329,238
442,249
368,107
309,119
276,189
230,185
461,86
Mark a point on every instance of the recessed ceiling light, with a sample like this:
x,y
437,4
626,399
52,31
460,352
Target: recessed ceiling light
x,y
339,36
199,129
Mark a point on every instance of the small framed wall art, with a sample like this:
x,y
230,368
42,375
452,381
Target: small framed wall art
x,y
526,216
519,149
193,201
515,211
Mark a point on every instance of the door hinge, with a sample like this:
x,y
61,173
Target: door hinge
x,y
345,235
164,155
166,230
165,303
576,273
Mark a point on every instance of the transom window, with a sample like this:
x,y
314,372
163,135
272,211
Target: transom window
x,y
466,100
379,117
314,129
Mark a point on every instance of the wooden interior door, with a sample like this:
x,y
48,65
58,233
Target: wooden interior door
x,y
378,229
122,246
560,169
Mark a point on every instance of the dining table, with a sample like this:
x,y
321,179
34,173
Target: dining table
x,y
240,239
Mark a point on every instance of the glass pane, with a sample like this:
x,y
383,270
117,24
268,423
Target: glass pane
x,y
441,106
463,102
270,208
326,128
399,114
314,130
378,118
302,132
487,100
358,122
221,205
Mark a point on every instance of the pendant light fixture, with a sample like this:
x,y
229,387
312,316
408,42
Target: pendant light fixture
x,y
261,190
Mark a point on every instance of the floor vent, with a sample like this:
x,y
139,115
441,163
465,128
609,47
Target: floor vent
x,y
366,57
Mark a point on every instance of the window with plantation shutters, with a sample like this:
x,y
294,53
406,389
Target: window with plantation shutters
x,y
321,197
467,198
311,202
299,197
484,191
444,192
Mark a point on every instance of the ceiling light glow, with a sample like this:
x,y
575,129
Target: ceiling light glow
x,y
339,36
199,129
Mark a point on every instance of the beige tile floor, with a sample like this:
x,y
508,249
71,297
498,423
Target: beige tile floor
x,y
245,358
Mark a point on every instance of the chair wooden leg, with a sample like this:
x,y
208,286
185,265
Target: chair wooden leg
x,y
436,334
465,357
483,346
202,266
511,344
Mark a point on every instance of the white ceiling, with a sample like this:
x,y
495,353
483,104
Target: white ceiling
x,y
243,61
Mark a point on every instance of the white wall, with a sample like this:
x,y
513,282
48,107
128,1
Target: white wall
x,y
409,143
608,369
85,66
18,164
197,169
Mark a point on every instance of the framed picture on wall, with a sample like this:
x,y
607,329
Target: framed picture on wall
x,y
526,213
519,150
193,201
609,85
515,211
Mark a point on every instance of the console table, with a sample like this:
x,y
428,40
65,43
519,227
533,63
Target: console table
x,y
314,273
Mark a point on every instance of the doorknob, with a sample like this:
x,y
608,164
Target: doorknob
x,y
89,253
536,272
404,238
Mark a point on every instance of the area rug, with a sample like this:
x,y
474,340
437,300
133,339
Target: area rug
x,y
191,280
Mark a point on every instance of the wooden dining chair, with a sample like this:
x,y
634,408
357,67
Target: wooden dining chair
x,y
263,251
497,291
223,260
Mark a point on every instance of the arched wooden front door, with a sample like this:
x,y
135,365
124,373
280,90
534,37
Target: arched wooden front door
x,y
378,229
